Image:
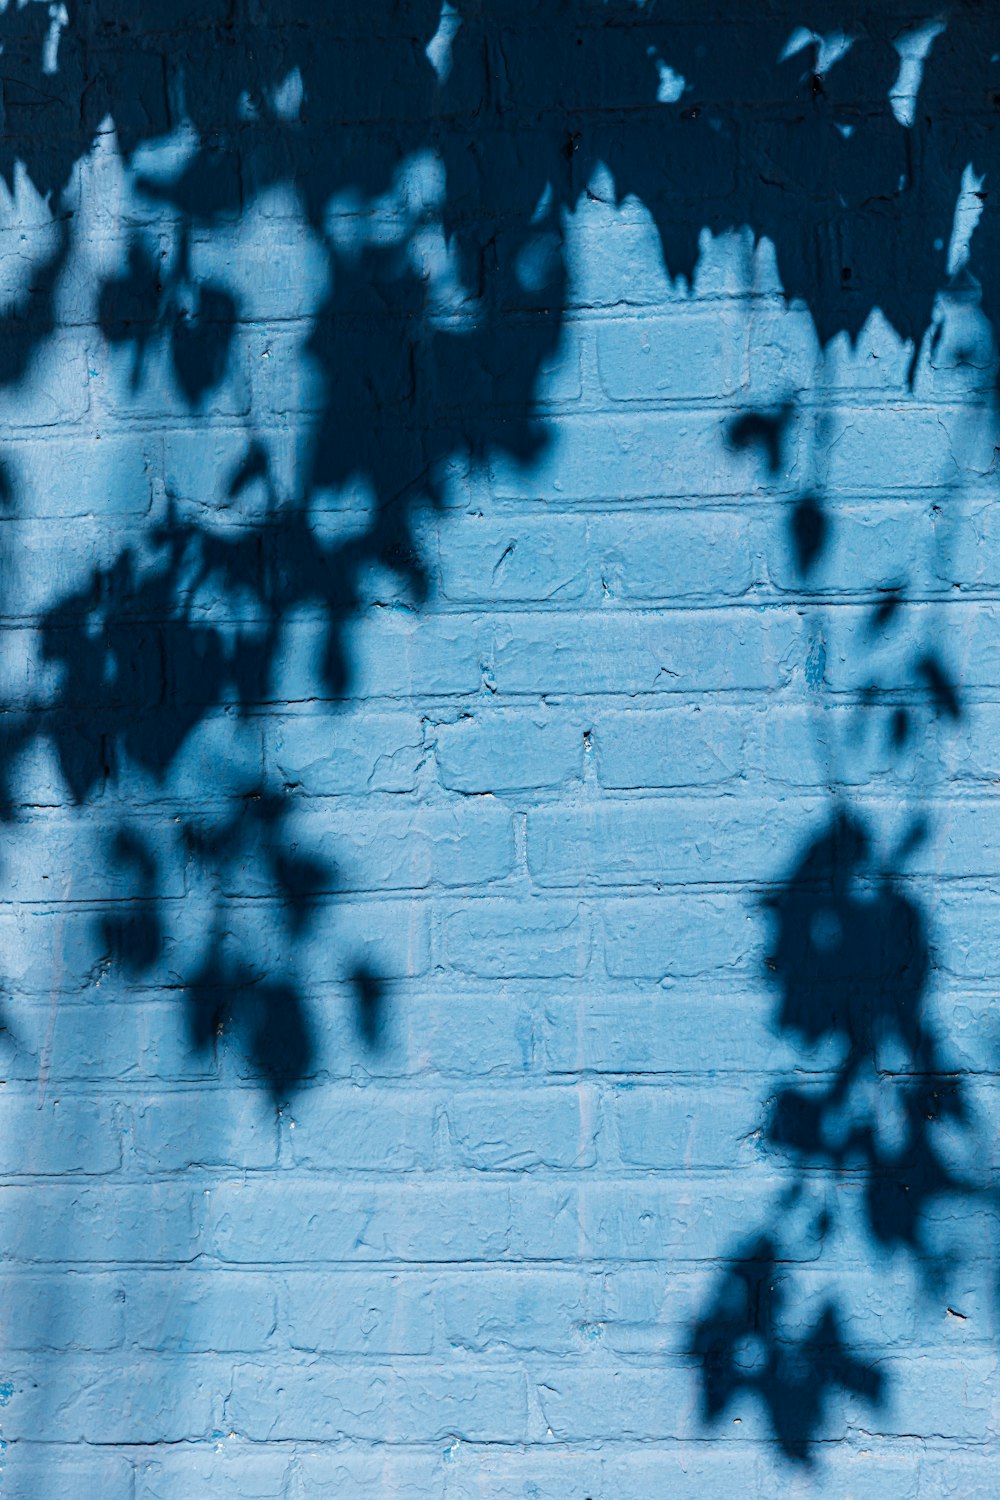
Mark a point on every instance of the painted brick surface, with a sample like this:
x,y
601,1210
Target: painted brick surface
x,y
499,688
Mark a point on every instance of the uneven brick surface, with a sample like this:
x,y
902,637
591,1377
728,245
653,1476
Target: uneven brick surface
x,y
509,1009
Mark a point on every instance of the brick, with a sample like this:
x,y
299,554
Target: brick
x,y
61,389
45,865
387,849
329,755
128,1223
195,466
507,1131
92,1475
679,936
688,1129
661,1034
158,393
470,1032
892,448
685,1220
688,1472
514,939
361,1129
390,658
673,747
184,1311
614,459
378,1313
282,274
951,1398
527,1309
177,1131
62,1310
867,550
256,1223
588,1406
662,842
113,1402
647,653
804,747
545,1473
233,1472
547,1221
490,751
409,1473
486,374
672,554
139,1040
221,757
60,1136
483,561
387,938
329,1402
675,357
619,261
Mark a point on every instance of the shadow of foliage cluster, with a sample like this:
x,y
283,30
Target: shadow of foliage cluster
x,y
415,137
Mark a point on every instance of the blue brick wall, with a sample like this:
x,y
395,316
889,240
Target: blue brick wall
x,y
500,678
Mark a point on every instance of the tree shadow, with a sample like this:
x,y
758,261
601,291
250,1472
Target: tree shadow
x,y
742,1345
851,961
709,129
438,195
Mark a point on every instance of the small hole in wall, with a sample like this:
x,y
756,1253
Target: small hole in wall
x,y
845,274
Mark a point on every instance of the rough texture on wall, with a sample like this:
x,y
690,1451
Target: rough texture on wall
x,y
499,692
